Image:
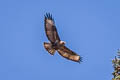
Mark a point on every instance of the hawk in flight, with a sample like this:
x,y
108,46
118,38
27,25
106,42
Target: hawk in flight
x,y
55,43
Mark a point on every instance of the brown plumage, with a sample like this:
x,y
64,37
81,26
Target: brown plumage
x,y
55,43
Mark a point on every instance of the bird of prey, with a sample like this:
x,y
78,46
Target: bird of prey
x,y
55,43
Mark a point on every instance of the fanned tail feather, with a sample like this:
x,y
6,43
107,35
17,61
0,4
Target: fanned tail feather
x,y
48,47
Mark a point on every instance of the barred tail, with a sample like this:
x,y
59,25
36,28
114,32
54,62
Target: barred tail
x,y
48,47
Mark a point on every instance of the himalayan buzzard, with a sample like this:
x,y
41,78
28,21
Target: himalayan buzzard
x,y
55,43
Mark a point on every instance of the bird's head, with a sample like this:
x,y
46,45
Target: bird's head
x,y
62,42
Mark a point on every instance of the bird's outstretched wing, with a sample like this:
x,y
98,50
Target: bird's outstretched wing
x,y
50,28
69,54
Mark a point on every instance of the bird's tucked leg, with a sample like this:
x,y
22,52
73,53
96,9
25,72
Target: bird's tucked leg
x,y
49,48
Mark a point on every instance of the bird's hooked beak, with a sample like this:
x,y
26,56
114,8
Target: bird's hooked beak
x,y
62,42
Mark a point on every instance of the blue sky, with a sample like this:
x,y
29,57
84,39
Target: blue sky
x,y
91,28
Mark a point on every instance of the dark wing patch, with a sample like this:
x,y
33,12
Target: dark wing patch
x,y
50,28
68,54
